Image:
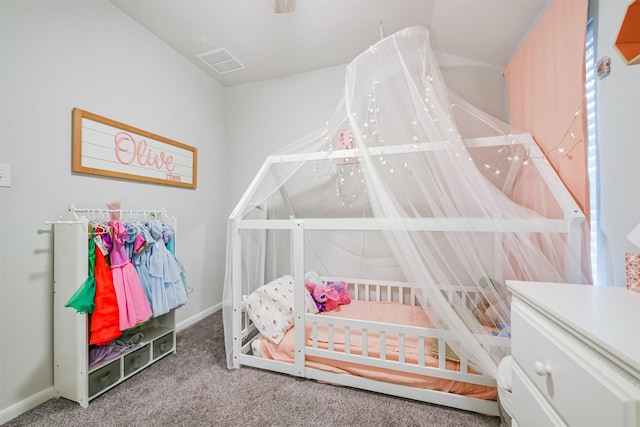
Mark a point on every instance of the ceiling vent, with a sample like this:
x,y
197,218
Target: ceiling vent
x,y
221,61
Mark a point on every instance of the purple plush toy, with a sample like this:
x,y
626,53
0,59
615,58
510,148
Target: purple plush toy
x,y
329,297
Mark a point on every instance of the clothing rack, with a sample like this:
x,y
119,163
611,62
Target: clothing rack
x,y
76,215
153,213
74,378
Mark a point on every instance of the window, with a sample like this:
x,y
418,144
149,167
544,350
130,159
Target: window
x,y
592,148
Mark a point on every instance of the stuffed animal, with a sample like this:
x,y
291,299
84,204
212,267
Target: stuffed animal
x,y
311,286
343,295
325,297
329,297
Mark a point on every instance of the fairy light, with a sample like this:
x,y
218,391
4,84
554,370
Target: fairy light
x,y
568,141
371,133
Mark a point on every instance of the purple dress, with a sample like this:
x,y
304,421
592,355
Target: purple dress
x,y
132,302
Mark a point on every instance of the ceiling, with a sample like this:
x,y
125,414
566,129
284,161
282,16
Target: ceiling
x,y
323,33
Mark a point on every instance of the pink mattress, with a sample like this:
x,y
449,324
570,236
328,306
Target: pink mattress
x,y
387,312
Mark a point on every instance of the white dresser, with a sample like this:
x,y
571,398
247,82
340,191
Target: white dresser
x,y
576,351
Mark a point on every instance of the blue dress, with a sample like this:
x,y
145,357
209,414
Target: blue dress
x,y
166,288
141,262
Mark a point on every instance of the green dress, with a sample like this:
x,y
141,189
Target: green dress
x,y
83,299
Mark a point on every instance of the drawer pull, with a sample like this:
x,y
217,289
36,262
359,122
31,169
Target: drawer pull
x,y
541,369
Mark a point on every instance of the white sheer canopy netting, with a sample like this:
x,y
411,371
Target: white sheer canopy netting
x,y
457,196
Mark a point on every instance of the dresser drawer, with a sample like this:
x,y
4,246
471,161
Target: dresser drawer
x,y
576,381
529,407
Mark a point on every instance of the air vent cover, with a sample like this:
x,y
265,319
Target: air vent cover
x,y
221,61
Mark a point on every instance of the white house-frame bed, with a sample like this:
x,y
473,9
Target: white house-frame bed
x,y
306,346
424,206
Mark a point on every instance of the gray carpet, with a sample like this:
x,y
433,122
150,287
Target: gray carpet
x,y
194,388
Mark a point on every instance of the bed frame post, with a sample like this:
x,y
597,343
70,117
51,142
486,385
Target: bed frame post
x,y
573,270
297,255
236,295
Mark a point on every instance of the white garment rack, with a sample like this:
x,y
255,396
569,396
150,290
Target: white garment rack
x,y
84,215
73,379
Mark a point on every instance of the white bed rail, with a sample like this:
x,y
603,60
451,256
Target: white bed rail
x,y
403,293
379,359
389,291
387,334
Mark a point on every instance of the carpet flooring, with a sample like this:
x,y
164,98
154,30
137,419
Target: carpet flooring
x,y
194,388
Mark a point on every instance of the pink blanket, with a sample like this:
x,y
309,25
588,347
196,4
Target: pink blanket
x,y
379,312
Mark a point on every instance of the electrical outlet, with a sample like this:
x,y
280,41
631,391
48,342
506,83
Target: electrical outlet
x,y
5,175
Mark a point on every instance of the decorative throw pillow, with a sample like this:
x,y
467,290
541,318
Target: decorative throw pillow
x,y
270,307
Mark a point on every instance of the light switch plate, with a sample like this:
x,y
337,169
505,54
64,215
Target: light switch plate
x,y
5,175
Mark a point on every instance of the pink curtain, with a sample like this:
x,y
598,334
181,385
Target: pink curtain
x,y
546,85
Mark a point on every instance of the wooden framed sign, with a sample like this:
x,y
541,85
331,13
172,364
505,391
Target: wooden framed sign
x,y
105,147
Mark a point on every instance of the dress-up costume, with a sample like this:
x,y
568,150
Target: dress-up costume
x,y
141,263
130,240
168,236
132,302
166,288
83,298
105,321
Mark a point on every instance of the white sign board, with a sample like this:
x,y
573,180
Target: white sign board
x,y
105,147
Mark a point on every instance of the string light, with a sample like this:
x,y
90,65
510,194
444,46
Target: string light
x,y
349,186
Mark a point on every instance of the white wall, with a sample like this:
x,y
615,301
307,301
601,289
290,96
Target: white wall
x,y
57,55
265,116
618,124
482,86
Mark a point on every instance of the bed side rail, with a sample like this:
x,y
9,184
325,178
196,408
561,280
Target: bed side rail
x,y
404,292
401,340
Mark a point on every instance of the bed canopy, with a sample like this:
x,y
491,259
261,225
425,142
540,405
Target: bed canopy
x,y
409,182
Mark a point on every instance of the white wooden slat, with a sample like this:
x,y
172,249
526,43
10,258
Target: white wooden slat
x,y
365,343
347,340
314,334
330,337
464,364
442,360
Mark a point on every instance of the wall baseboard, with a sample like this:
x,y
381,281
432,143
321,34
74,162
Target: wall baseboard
x,y
39,398
26,405
198,317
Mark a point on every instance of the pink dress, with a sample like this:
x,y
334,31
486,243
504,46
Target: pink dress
x,y
133,305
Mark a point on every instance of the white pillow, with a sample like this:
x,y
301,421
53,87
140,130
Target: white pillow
x,y
270,307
